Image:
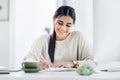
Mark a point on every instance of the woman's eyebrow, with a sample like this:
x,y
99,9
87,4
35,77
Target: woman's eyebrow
x,y
69,23
60,21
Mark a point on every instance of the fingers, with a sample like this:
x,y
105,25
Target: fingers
x,y
58,65
67,66
44,64
63,65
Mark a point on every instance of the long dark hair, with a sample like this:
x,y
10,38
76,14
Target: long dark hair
x,y
61,11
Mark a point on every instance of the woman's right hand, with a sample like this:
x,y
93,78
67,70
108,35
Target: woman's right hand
x,y
44,64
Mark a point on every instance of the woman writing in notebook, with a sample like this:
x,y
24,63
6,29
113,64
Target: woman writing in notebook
x,y
63,48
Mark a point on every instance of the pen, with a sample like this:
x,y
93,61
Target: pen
x,y
111,70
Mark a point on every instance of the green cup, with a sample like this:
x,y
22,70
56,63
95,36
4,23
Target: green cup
x,y
31,70
34,64
31,66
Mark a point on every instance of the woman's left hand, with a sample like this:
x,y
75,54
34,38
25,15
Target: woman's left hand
x,y
63,64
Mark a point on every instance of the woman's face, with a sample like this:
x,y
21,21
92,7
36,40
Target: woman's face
x,y
63,27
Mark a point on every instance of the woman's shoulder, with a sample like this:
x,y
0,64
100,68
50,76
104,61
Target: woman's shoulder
x,y
76,33
42,38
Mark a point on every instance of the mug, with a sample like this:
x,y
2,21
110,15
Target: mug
x,y
31,66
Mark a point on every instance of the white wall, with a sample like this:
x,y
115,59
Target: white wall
x,y
4,43
31,19
107,30
6,37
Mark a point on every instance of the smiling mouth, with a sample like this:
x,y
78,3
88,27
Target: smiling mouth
x,y
61,32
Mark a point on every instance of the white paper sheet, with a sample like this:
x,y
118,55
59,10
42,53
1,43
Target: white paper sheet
x,y
59,69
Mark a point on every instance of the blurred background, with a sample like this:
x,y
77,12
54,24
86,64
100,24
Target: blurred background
x,y
99,20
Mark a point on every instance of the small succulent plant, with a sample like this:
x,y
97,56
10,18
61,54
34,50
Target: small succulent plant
x,y
85,70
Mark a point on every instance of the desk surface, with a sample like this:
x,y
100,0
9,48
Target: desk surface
x,y
71,75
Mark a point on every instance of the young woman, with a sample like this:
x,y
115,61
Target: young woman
x,y
63,48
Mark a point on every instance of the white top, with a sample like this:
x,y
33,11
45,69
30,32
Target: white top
x,y
74,47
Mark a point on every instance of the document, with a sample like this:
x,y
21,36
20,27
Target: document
x,y
59,69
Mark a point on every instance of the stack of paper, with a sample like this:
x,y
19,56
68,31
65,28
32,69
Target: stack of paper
x,y
4,70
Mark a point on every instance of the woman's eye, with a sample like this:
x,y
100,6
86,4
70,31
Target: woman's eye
x,y
68,25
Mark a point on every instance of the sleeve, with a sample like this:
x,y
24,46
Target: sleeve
x,y
85,52
36,51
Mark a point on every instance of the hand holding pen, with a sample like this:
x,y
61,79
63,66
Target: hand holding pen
x,y
44,64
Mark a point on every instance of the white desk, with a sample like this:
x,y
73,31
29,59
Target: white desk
x,y
71,75
59,76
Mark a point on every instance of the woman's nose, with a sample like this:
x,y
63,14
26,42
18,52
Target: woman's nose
x,y
63,27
